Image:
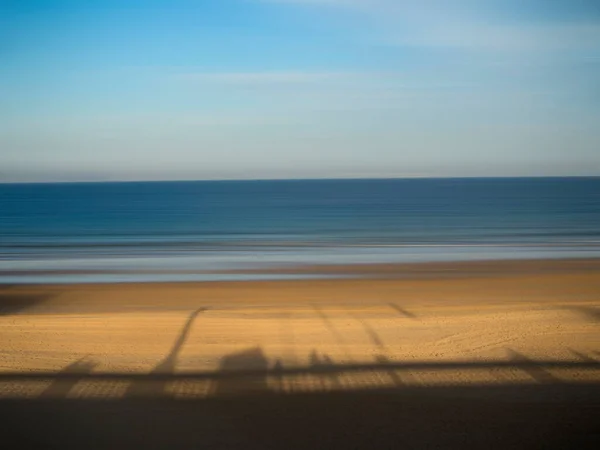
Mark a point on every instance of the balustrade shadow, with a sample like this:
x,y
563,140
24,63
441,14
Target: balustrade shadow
x,y
244,413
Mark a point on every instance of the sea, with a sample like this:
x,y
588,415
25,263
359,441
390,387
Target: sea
x,y
214,230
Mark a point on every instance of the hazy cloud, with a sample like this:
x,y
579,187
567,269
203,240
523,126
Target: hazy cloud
x,y
464,24
269,78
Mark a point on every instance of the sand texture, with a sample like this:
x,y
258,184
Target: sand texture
x,y
496,321
454,356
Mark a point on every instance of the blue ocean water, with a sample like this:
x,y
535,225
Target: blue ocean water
x,y
175,230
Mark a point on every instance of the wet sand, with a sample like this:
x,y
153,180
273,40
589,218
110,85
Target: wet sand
x,y
510,344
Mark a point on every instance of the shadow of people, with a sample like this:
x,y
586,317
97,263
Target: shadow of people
x,y
314,359
328,380
334,379
60,387
166,366
277,371
252,359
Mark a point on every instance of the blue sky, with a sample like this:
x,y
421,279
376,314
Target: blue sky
x,y
213,89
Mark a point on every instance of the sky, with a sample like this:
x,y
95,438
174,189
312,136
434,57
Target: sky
x,y
236,89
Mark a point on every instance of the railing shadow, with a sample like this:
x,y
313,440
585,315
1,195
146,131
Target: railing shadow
x,y
548,416
244,413
61,386
252,363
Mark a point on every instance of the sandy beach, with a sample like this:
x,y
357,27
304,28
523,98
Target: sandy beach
x,y
488,311
489,354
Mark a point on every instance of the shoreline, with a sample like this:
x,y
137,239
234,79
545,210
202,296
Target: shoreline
x,y
427,271
436,268
494,323
543,282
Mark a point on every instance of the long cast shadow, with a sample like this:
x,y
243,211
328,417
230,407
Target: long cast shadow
x,y
582,356
341,342
380,358
167,365
61,386
449,417
517,362
329,325
538,373
402,311
373,335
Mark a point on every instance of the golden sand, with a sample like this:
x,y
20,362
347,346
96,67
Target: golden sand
x,y
512,312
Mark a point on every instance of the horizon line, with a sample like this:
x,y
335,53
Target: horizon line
x,y
221,180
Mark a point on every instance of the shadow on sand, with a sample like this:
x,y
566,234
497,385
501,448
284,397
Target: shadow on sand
x,y
245,410
252,360
588,312
14,303
61,386
155,386
319,365
244,413
524,417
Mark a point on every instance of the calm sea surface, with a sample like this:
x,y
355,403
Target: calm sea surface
x,y
154,231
